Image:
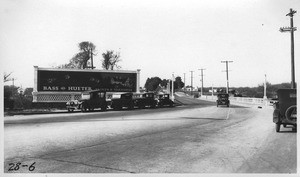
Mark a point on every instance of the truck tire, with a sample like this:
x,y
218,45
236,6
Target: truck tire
x,y
277,127
292,110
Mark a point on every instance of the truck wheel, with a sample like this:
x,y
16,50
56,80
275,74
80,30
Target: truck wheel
x,y
277,127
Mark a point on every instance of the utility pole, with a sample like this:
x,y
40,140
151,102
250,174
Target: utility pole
x,y
291,29
191,82
265,88
201,80
173,87
92,58
184,81
227,88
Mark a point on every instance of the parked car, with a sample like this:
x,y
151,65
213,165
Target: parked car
x,y
223,99
142,100
164,100
89,101
118,101
272,101
285,109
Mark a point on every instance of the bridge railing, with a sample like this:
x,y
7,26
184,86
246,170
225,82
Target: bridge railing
x,y
248,100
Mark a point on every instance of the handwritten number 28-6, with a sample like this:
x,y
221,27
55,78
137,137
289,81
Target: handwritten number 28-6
x,y
17,166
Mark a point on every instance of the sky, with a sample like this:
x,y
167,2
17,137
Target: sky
x,y
160,37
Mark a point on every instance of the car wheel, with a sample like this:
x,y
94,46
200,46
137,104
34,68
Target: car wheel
x,y
104,108
131,106
277,127
83,108
117,108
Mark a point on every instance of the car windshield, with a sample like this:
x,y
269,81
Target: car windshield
x,y
116,96
85,96
223,96
126,96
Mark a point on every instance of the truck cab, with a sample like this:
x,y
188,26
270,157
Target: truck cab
x,y
223,99
285,109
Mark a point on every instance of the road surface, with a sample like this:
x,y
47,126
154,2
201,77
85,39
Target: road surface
x,y
195,138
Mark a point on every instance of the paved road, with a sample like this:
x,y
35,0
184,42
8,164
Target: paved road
x,y
196,138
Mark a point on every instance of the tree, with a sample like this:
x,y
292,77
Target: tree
x,y
10,94
110,60
164,82
178,84
80,60
152,83
28,92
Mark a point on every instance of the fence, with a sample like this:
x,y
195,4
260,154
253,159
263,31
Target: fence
x,y
255,101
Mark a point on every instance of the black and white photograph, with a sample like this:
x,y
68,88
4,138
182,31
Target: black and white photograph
x,y
149,87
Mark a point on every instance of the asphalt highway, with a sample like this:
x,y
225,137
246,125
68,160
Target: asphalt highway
x,y
197,137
